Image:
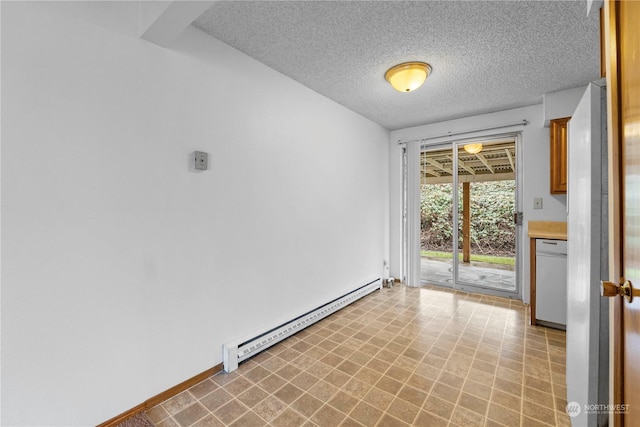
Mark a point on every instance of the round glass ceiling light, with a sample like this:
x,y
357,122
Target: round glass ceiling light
x,y
473,148
408,76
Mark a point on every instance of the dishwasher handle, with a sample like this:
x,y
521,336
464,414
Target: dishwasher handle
x,y
551,247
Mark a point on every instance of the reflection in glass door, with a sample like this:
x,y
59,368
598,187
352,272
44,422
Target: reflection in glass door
x,y
482,192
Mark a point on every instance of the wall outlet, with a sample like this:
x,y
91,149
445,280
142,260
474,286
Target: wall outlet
x,y
537,203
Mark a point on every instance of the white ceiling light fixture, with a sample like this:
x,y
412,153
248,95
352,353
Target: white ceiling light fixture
x,y
408,76
473,148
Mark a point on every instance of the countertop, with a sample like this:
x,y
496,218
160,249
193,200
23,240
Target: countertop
x,y
548,230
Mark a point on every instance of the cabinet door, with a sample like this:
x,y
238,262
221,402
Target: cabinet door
x,y
558,139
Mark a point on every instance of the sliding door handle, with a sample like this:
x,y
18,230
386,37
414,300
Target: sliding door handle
x,y
518,218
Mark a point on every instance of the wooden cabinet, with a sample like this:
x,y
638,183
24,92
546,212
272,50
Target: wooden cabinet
x,y
558,139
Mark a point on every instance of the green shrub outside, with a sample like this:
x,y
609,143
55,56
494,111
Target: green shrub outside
x,y
492,207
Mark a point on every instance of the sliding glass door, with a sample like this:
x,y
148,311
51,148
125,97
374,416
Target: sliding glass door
x,y
475,248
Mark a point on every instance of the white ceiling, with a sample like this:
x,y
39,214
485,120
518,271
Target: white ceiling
x,y
486,55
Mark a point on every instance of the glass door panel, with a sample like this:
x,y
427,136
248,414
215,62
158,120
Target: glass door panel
x,y
486,202
436,215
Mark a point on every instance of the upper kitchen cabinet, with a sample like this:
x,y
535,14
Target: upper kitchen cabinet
x,y
558,140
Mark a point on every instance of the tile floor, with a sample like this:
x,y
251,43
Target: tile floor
x,y
402,356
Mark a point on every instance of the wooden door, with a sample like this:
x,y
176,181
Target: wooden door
x,y
623,79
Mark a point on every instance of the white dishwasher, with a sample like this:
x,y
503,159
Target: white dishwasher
x,y
551,282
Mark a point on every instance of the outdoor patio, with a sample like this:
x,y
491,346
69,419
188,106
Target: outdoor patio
x,y
440,271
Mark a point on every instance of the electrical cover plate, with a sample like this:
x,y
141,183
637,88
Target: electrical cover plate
x,y
201,160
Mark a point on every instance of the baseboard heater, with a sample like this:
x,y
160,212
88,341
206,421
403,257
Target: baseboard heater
x,y
237,351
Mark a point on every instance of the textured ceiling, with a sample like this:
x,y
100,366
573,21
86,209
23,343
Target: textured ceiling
x,y
486,55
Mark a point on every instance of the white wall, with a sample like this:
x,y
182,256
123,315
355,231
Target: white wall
x,y
123,271
534,167
562,103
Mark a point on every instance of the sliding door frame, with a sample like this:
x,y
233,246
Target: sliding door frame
x,y
411,255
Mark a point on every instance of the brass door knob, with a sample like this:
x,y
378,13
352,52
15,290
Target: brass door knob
x,y
625,289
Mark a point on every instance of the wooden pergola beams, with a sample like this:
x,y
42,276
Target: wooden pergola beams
x,y
485,162
496,162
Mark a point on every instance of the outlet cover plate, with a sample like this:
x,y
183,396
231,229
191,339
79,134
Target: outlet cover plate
x,y
201,160
537,203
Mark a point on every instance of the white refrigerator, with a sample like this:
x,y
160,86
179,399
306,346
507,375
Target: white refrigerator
x,y
587,260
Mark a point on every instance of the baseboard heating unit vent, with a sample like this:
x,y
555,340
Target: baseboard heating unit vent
x,y
237,351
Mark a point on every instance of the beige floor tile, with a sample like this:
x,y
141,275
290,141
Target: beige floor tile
x,y
514,388
272,383
337,377
377,365
378,398
503,415
350,422
539,397
169,422
288,371
360,358
366,414
190,414
252,396
288,393
157,414
428,419
210,421
327,416
257,374
389,385
216,399
413,395
306,404
538,412
238,386
465,417
473,403
368,376
445,392
439,407
249,419
505,399
357,388
323,391
178,403
451,379
482,391
399,357
390,421
403,410
532,422
230,412
202,389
